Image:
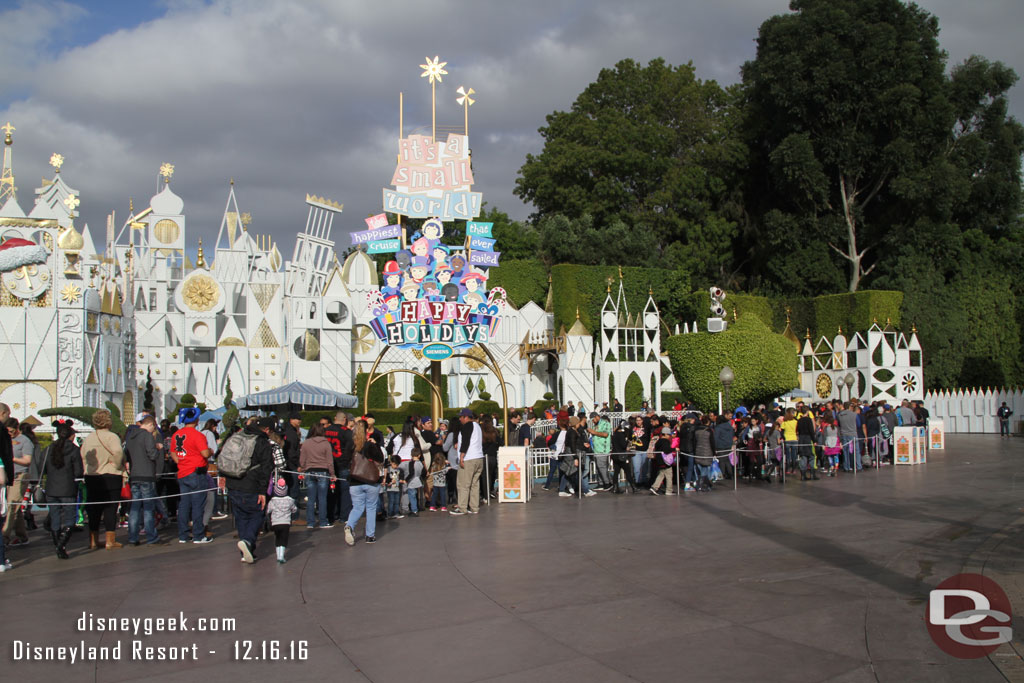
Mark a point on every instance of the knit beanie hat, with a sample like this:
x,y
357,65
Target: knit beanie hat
x,y
281,488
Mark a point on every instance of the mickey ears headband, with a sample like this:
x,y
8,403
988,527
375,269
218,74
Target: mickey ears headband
x,y
65,423
187,415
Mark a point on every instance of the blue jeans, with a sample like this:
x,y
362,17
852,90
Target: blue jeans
x,y
552,472
638,465
317,485
691,472
364,499
248,516
849,444
414,503
439,497
142,511
394,503
191,506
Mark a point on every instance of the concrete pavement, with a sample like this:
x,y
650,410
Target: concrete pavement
x,y
815,581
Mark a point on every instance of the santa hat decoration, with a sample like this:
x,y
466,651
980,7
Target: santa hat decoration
x,y
16,252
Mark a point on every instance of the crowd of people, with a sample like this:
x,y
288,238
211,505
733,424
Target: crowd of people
x,y
344,469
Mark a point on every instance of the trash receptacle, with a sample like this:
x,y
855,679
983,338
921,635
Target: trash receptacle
x,y
513,475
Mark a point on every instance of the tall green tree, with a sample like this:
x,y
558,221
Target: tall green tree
x,y
650,154
846,100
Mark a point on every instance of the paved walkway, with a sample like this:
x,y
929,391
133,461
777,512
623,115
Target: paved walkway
x,y
823,581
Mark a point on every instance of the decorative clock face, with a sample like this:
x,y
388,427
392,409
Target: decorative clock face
x,y
27,282
651,321
609,319
823,385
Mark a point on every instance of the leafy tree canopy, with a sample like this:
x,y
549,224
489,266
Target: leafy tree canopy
x,y
646,156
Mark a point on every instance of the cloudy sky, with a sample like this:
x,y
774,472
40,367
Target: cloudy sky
x,y
289,97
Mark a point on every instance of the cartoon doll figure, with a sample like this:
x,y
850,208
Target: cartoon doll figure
x,y
473,299
458,264
450,292
473,284
443,273
440,255
410,290
392,301
419,269
420,248
433,230
392,279
430,290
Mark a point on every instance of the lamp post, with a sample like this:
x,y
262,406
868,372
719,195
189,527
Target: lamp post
x,y
726,377
850,381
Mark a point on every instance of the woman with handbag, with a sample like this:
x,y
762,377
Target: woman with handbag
x,y
62,465
104,478
367,459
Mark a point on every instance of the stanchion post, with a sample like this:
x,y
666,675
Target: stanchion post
x,y
487,478
735,469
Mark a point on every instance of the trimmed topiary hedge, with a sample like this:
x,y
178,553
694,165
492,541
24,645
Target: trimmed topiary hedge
x,y
84,414
763,362
523,280
378,392
587,287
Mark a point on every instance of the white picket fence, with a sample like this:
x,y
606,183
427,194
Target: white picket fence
x,y
974,410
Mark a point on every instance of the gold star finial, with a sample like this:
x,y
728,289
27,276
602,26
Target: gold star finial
x,y
167,170
56,160
7,128
433,69
464,96
200,261
577,312
72,202
246,219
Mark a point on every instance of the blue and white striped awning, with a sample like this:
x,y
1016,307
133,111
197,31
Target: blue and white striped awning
x,y
298,394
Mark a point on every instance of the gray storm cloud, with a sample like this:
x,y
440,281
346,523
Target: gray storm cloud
x,y
296,97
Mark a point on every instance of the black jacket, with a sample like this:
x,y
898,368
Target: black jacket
x,y
257,479
7,454
60,481
291,446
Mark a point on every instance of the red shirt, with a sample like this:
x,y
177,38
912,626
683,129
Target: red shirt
x,y
188,445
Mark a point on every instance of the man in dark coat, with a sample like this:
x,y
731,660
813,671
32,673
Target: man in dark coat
x,y
248,494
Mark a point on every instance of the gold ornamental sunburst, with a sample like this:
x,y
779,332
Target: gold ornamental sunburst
x,y
71,294
200,293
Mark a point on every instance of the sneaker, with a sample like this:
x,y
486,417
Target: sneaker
x,y
414,514
564,494
17,542
219,516
456,512
349,538
6,566
443,509
589,493
654,492
281,560
204,539
246,552
371,539
182,540
546,488
474,512
399,516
